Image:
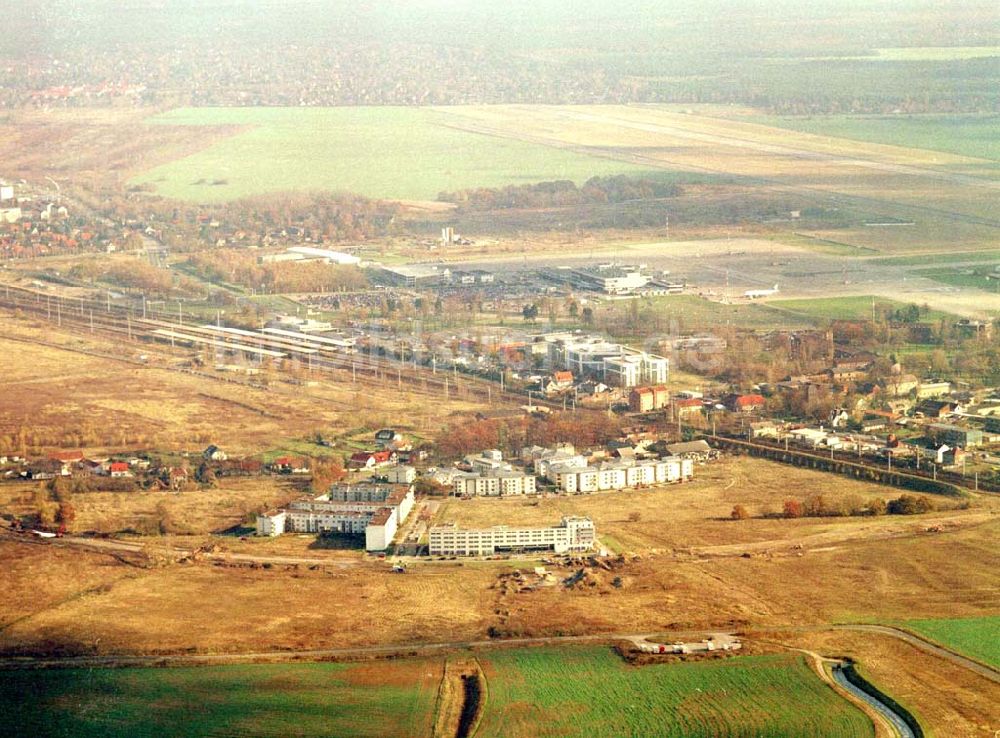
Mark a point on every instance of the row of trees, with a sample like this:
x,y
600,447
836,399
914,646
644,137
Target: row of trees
x,y
561,193
510,435
236,266
822,506
283,217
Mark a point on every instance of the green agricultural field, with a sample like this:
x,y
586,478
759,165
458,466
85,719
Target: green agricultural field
x,y
255,700
968,135
591,692
380,152
973,637
856,307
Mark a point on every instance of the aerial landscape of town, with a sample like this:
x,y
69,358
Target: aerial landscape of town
x,y
453,369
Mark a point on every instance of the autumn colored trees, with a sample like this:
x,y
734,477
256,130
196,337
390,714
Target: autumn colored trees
x,y
583,428
561,193
237,266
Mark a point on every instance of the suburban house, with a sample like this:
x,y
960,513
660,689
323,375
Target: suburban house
x,y
744,403
561,380
937,408
955,435
372,459
764,429
214,453
687,407
950,456
401,474
289,465
932,389
897,385
646,399
696,450
387,437
119,469
177,476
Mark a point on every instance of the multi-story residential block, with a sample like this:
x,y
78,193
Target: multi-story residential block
x,y
370,509
494,484
612,475
572,534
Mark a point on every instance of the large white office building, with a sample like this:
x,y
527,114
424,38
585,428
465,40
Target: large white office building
x,y
615,364
572,534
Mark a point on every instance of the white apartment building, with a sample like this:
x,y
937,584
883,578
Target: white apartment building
x,y
572,534
490,460
494,484
375,510
613,475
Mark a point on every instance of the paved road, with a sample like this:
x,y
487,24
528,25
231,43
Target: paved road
x,y
901,727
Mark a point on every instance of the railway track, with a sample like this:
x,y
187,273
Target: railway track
x,y
141,325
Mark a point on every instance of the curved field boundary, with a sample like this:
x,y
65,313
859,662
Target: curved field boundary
x,y
847,677
929,646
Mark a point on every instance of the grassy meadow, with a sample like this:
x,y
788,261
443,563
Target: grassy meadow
x,y
855,307
379,152
973,637
259,700
968,135
591,692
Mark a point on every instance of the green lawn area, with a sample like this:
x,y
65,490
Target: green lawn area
x,y
858,307
381,152
247,700
946,259
968,277
590,692
691,312
974,637
968,135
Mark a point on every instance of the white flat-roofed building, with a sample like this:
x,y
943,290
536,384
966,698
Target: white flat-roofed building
x,y
350,509
612,279
412,275
327,255
561,458
494,484
613,475
271,523
572,534
618,365
401,474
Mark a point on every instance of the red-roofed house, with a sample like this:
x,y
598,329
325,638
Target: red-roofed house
x,y
563,379
686,407
745,403
372,459
119,469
